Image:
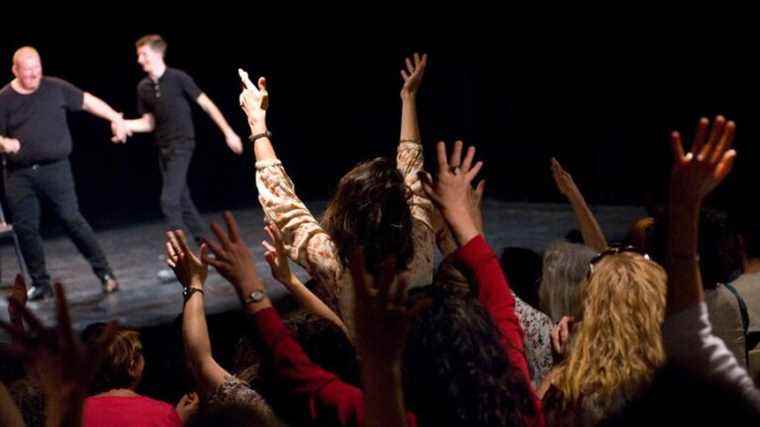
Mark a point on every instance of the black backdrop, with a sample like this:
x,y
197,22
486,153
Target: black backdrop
x,y
598,94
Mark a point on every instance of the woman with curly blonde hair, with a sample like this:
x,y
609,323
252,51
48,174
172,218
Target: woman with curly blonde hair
x,y
617,346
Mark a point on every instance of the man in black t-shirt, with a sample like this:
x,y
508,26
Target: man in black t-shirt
x,y
36,142
165,99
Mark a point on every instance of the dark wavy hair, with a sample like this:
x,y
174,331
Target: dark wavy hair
x,y
455,369
370,209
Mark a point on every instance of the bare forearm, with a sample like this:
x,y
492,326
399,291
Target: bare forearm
x,y
195,332
410,130
685,287
142,125
311,302
592,233
9,413
383,397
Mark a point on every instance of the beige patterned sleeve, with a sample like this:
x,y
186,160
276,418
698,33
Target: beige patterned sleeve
x,y
409,161
303,237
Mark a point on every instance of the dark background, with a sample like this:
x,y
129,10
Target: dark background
x,y
601,94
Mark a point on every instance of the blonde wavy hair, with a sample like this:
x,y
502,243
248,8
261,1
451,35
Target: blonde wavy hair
x,y
618,344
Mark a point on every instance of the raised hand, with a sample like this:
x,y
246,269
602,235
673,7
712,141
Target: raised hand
x,y
564,180
412,75
232,258
189,268
187,406
254,100
382,315
696,173
275,254
64,366
451,190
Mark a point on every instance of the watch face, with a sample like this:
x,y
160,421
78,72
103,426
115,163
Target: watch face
x,y
256,296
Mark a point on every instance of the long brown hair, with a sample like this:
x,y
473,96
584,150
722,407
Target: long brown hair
x,y
370,209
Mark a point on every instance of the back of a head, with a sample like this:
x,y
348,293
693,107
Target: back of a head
x,y
565,266
523,269
122,362
370,209
455,369
618,344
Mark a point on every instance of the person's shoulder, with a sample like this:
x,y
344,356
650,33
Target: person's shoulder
x,y
54,81
145,81
177,73
6,90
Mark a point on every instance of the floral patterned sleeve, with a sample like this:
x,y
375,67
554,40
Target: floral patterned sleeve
x,y
538,348
409,161
304,239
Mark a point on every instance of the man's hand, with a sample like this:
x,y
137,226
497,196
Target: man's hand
x,y
233,141
9,145
120,130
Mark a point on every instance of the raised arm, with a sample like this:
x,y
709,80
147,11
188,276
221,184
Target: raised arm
x,y
303,238
59,360
230,137
321,394
451,192
592,233
278,262
409,156
687,333
191,272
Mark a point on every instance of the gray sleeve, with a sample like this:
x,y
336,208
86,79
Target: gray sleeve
x,y
691,345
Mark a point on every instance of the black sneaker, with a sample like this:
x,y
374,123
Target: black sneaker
x,y
36,293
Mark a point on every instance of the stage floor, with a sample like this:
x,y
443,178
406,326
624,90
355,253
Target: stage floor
x,y
136,255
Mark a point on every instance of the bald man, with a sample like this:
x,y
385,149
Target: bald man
x,y
36,142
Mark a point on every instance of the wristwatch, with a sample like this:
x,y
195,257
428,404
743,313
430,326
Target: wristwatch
x,y
255,296
189,291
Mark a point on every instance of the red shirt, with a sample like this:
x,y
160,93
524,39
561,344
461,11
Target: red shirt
x,y
135,411
328,400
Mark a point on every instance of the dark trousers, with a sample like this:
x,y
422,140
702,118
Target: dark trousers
x,y
177,206
54,184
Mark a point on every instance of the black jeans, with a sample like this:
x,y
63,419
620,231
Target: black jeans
x,y
54,184
176,204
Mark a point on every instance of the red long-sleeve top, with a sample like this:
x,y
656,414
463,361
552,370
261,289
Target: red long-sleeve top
x,y
331,401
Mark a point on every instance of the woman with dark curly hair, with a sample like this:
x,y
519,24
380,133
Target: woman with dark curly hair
x,y
454,354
